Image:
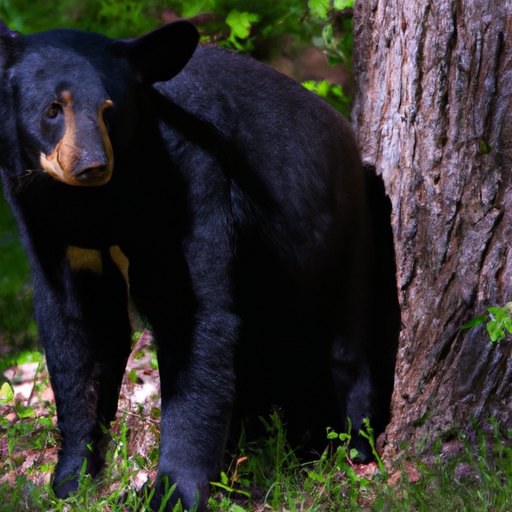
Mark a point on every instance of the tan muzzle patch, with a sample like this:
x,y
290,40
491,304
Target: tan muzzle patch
x,y
62,163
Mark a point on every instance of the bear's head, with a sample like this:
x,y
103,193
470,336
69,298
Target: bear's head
x,y
67,97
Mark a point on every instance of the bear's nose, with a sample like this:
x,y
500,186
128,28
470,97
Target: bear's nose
x,y
92,173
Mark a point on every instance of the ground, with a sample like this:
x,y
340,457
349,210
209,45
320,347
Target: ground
x,y
266,478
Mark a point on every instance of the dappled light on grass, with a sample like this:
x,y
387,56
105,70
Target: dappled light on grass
x,y
29,440
29,417
261,476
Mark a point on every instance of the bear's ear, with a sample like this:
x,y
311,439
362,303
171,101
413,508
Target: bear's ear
x,y
161,54
7,37
6,32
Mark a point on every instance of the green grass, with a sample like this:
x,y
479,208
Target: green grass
x,y
261,476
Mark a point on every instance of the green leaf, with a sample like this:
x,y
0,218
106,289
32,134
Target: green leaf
x,y
317,477
267,30
495,332
240,23
132,376
236,508
343,4
484,148
475,322
336,90
6,393
327,33
191,9
29,357
333,60
323,88
353,453
230,489
26,412
492,326
222,486
310,85
319,8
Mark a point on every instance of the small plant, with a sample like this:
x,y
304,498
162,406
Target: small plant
x,y
371,439
498,321
344,464
225,502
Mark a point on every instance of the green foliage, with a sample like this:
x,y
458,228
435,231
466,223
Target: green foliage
x,y
343,4
498,320
270,19
240,25
321,8
115,18
338,47
188,9
338,44
359,484
228,490
27,16
130,18
246,25
332,93
266,463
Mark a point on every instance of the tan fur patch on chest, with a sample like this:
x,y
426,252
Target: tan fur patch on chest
x,y
84,259
90,259
121,261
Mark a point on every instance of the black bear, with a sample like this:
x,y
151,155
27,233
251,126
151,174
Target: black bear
x,y
231,206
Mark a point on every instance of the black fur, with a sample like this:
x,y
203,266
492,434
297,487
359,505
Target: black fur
x,y
240,201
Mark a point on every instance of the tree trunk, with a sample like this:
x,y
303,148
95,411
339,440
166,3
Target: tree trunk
x,y
433,116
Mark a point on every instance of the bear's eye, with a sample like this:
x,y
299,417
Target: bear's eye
x,y
54,110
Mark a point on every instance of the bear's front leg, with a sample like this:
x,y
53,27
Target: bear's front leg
x,y
197,393
81,309
187,301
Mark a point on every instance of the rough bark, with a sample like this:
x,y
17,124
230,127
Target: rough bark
x,y
433,115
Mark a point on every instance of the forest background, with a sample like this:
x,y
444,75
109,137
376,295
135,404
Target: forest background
x,y
312,42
